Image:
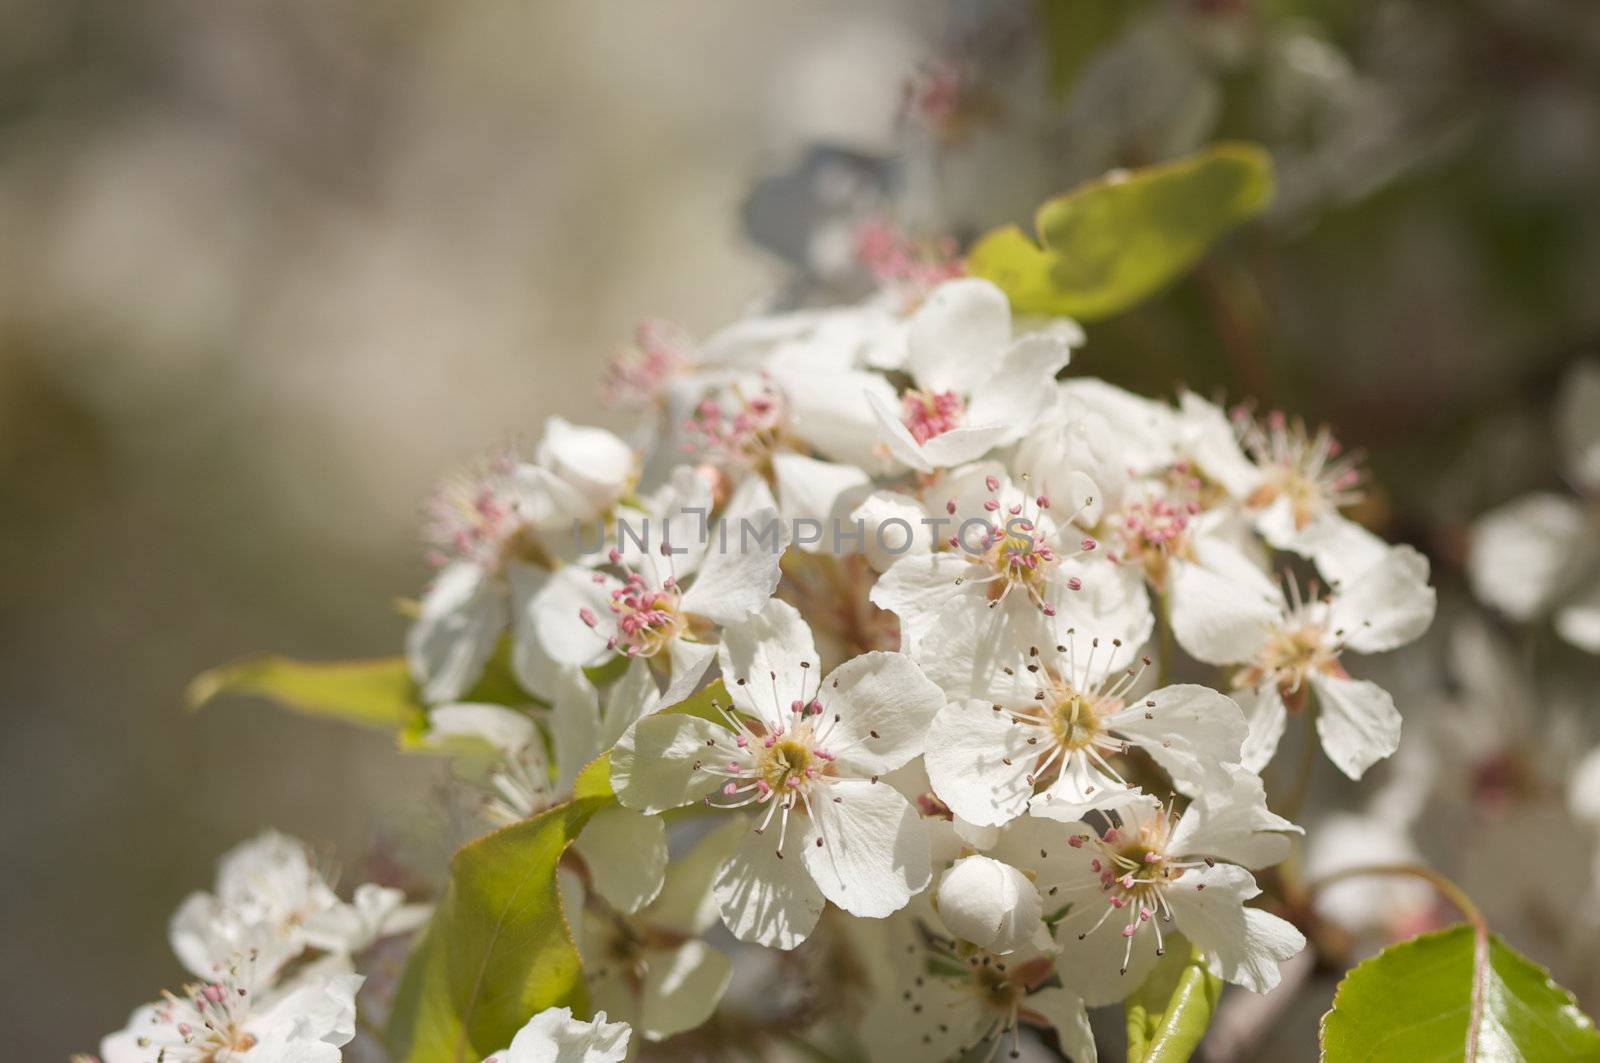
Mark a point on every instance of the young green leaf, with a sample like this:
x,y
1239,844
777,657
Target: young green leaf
x,y
1454,995
373,693
376,693
498,949
1113,241
1168,1015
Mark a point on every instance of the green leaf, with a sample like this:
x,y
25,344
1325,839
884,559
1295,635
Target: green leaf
x,y
1113,241
1168,1015
1451,995
372,693
595,779
498,949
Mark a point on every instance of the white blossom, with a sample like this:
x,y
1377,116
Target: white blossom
x,y
271,902
554,1036
237,1015
1290,647
497,531
974,385
625,852
805,754
1037,726
1540,554
947,997
1128,886
650,968
674,581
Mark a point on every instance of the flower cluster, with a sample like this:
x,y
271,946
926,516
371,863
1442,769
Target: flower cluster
x,y
951,651
930,606
272,950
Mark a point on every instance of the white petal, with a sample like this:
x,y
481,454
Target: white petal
x,y
653,765
1069,1018
1357,722
1232,822
874,853
1040,844
681,989
751,496
483,729
321,1008
690,660
1583,789
297,1051
554,1036
128,1044
968,652
883,705
1524,553
968,746
1578,621
1266,717
926,1017
627,855
893,528
957,334
376,911
686,903
992,905
1208,437
558,610
1385,607
533,667
632,697
1093,966
680,512
1578,424
833,411
1241,945
816,498
748,343
1111,603
893,433
1022,388
767,899
1145,432
1082,787
463,614
1340,548
1189,730
574,725
200,934
918,587
1070,462
767,660
733,584
1220,613
592,460
967,443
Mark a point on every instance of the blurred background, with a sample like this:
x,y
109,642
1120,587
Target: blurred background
x,y
268,271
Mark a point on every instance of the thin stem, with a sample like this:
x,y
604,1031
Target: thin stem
x,y
1447,889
